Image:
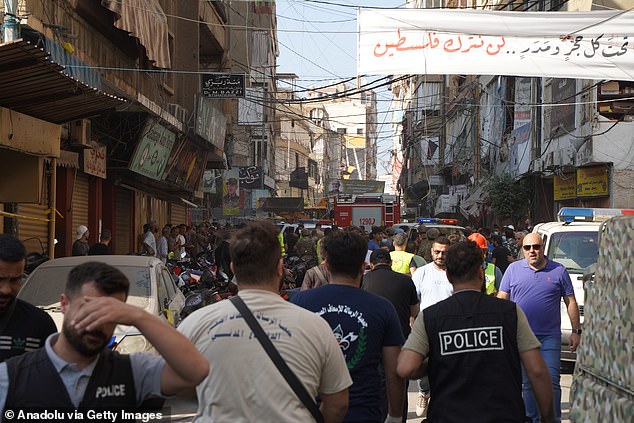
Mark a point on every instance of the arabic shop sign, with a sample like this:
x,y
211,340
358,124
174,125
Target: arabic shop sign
x,y
415,41
592,181
251,177
222,85
153,150
95,160
565,187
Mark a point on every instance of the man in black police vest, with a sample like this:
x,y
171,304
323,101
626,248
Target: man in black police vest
x,y
75,370
474,344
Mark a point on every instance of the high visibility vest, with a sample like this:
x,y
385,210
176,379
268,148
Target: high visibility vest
x,y
489,278
401,261
280,238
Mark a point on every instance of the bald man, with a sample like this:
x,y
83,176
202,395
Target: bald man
x,y
537,285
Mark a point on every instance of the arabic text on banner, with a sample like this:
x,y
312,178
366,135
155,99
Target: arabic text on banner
x,y
591,45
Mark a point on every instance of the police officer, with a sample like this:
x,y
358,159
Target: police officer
x,y
475,344
74,369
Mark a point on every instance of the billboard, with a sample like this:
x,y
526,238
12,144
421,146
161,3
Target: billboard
x,y
222,85
231,192
353,186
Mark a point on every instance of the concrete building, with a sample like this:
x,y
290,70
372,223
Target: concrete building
x,y
122,133
569,140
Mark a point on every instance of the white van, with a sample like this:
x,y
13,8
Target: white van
x,y
573,241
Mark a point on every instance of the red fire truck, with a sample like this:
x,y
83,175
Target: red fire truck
x,y
366,210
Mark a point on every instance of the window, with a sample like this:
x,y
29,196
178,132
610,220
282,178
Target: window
x,y
342,131
359,131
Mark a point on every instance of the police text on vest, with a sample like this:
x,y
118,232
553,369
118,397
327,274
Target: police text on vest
x,y
471,340
110,391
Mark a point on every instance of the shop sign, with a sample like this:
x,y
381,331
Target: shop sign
x,y
187,166
153,150
222,85
565,187
95,160
592,181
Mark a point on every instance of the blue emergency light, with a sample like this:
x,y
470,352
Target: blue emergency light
x,y
427,220
581,214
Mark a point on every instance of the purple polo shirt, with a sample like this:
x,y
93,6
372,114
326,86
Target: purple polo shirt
x,y
538,293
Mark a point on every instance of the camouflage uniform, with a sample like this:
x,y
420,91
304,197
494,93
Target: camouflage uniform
x,y
604,375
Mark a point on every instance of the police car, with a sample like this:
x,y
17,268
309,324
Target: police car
x,y
573,241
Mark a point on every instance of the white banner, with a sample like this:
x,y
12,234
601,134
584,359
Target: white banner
x,y
589,45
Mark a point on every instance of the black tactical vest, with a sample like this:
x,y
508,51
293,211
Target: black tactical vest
x,y
34,383
474,365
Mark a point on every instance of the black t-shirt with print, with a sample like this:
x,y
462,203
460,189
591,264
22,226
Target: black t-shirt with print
x,y
27,329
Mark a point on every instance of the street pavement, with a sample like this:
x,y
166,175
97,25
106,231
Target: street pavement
x,y
183,410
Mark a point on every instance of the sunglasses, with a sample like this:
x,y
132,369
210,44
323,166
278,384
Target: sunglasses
x,y
535,247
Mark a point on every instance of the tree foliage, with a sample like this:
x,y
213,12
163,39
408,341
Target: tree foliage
x,y
510,199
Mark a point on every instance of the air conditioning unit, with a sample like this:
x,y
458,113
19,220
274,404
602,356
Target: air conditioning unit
x,y
538,165
80,133
179,112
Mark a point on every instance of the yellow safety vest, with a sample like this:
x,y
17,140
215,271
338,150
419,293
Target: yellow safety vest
x,y
489,278
401,261
280,238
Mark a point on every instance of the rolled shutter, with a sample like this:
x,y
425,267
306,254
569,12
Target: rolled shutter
x,y
123,231
80,202
178,214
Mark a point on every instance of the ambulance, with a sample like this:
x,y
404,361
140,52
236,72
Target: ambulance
x,y
573,241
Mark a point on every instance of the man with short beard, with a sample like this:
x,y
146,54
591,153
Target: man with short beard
x,y
75,370
23,327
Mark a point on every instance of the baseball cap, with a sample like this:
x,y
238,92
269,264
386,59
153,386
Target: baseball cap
x,y
380,254
81,230
480,241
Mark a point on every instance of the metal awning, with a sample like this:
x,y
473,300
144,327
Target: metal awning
x,y
32,84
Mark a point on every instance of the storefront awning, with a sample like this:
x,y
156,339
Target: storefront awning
x,y
283,204
32,84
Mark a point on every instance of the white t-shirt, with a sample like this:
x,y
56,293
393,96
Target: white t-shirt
x,y
181,241
149,239
432,285
244,385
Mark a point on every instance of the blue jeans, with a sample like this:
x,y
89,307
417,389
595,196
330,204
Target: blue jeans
x,y
551,353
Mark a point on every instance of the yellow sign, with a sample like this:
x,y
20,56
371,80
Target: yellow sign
x,y
355,141
592,181
565,187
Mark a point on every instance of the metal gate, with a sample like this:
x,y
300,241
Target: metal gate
x,y
178,214
122,216
80,203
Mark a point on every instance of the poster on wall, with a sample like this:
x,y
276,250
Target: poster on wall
x,y
209,181
231,192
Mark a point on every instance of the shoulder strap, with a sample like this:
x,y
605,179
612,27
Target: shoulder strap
x,y
277,359
321,276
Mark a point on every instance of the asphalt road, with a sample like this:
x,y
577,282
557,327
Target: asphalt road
x,y
183,410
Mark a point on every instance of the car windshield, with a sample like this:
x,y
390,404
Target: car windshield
x,y
44,286
575,250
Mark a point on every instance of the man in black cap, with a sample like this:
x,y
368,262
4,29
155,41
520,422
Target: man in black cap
x,y
232,198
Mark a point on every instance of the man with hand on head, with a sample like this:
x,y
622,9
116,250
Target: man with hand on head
x,y
75,370
471,346
537,285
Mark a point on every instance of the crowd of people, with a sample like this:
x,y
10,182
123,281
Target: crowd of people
x,y
375,310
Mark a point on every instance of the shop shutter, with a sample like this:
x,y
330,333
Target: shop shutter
x,y
80,203
32,232
159,212
178,214
1,219
123,231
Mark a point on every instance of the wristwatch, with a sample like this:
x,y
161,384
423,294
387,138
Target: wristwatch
x,y
577,331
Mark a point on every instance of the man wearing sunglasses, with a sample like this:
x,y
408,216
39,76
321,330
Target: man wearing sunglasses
x,y
537,285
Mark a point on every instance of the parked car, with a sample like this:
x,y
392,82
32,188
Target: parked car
x,y
151,288
603,383
445,226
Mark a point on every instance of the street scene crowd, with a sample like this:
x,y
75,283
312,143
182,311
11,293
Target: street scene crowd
x,y
358,315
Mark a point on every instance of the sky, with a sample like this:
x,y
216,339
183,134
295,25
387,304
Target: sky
x,y
318,42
